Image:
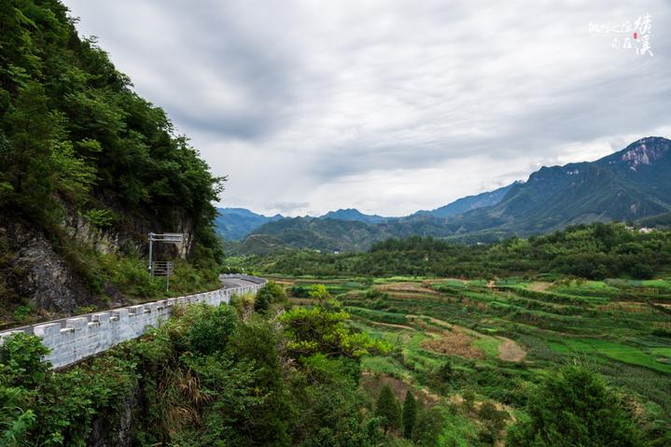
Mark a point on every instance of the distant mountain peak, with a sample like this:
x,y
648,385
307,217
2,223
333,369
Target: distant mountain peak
x,y
470,203
236,223
353,214
645,151
632,183
640,154
344,210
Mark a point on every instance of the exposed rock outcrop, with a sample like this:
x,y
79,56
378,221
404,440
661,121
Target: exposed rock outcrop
x,y
40,275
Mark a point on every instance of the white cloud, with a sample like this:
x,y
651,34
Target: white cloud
x,y
388,106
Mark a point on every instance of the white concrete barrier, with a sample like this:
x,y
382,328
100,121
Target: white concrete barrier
x,y
84,336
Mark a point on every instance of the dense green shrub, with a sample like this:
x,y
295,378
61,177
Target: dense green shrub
x,y
76,140
575,407
204,378
271,293
594,251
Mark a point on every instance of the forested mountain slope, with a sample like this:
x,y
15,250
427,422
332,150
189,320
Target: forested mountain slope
x,y
235,223
629,185
469,203
87,168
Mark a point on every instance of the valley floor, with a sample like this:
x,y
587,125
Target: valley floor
x,y
460,343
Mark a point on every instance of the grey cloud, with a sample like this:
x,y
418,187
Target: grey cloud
x,y
337,93
288,207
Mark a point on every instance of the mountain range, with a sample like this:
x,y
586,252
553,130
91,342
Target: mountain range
x,y
630,185
235,223
469,203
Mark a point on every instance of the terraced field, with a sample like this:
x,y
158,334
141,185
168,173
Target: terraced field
x,y
496,338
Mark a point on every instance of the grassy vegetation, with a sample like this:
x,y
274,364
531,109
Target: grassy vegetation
x,y
595,251
461,343
475,355
249,374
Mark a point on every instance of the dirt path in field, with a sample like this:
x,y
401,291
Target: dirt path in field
x,y
538,286
439,322
420,321
407,288
399,326
456,341
372,384
443,281
511,351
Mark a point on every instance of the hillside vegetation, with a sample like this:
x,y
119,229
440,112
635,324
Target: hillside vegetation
x,y
593,251
233,224
631,185
88,168
388,362
237,375
489,357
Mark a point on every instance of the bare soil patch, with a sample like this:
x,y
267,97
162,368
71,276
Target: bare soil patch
x,y
538,286
511,351
454,342
426,327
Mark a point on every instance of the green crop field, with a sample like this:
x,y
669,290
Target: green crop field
x,y
462,343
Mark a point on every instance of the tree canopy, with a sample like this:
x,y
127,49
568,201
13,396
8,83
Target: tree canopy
x,y
575,407
74,134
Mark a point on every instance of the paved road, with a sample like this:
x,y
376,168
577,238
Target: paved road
x,y
232,283
228,282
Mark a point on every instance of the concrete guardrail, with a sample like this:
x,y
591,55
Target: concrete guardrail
x,y
73,339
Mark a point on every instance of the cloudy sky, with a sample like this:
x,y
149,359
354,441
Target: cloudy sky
x,y
389,106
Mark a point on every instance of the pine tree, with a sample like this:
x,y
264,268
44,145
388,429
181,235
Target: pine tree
x,y
409,415
388,407
572,407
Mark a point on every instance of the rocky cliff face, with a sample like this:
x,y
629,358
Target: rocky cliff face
x,y
39,275
132,233
644,152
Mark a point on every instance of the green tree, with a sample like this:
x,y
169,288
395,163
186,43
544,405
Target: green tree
x,y
26,157
574,407
495,418
494,421
319,292
329,402
429,425
258,343
21,362
469,399
387,407
409,415
321,330
209,328
270,294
